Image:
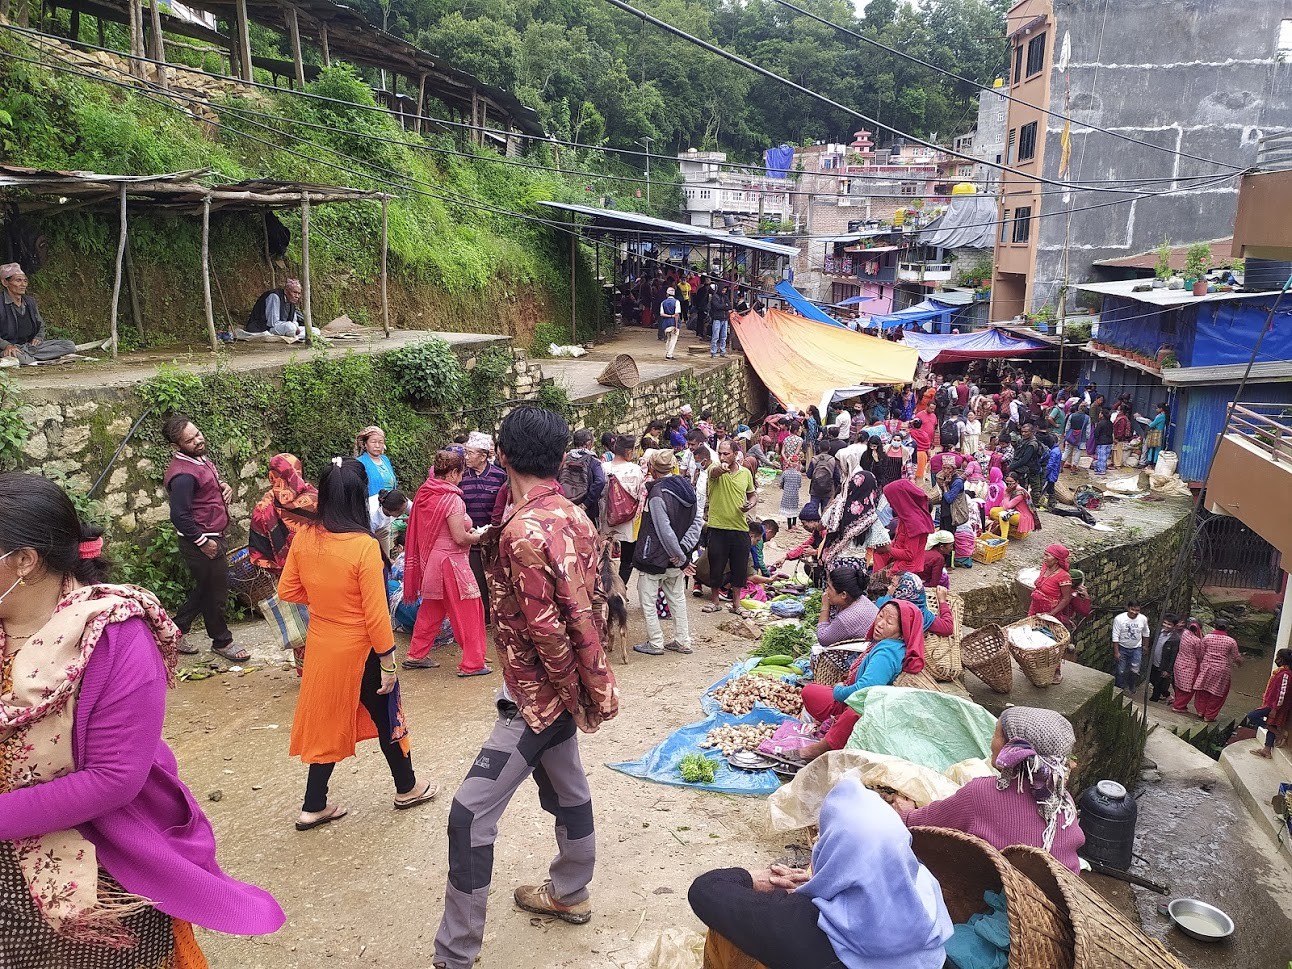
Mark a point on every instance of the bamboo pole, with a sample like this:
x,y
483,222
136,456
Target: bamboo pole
x,y
574,296
133,6
421,102
294,31
206,273
116,282
385,248
327,53
305,269
244,39
269,258
159,45
132,281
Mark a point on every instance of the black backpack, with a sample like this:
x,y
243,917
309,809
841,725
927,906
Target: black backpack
x,y
575,477
950,433
822,486
942,398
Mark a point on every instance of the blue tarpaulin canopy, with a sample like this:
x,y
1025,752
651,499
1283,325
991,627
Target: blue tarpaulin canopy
x,y
914,315
935,348
802,305
854,300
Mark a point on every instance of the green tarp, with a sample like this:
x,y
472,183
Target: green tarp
x,y
935,730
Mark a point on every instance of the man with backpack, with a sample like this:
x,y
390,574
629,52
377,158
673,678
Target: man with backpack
x,y
668,313
1029,458
670,532
942,401
582,479
950,432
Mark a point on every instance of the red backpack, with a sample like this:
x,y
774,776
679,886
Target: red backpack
x,y
621,506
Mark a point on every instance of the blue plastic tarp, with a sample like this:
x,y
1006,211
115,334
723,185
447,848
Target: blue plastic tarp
x,y
914,315
950,347
802,305
779,160
659,764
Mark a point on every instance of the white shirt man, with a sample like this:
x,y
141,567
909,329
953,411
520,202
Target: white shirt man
x,y
1130,636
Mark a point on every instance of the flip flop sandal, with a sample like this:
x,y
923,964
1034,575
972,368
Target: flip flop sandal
x,y
420,664
711,608
425,797
483,671
225,652
319,822
185,648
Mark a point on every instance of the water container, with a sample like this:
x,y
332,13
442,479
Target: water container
x,y
1107,816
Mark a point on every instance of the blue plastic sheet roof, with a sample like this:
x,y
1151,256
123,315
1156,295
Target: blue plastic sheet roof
x,y
802,305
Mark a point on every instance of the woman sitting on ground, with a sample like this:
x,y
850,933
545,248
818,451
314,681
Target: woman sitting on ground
x,y
846,614
1015,510
1029,803
290,504
867,902
910,507
898,646
909,587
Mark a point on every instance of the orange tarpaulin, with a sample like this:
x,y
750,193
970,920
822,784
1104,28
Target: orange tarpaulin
x,y
800,360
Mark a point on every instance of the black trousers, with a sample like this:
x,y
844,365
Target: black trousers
x,y
778,929
477,569
626,550
210,593
378,707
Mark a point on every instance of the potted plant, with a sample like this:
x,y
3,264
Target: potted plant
x,y
1162,271
1196,263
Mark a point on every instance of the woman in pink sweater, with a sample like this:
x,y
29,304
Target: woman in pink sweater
x,y
1029,803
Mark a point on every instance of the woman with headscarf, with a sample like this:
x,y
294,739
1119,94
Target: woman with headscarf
x,y
290,504
897,637
437,568
1029,803
995,492
914,526
885,467
1187,661
909,587
1053,589
850,518
1015,511
867,903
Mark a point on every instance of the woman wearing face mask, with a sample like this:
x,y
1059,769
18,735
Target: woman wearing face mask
x,y
106,861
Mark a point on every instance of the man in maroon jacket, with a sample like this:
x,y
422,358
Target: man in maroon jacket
x,y
199,510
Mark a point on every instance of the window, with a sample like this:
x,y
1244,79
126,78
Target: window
x,y
1036,55
1018,62
1009,146
910,188
1022,224
1004,226
1283,48
1027,142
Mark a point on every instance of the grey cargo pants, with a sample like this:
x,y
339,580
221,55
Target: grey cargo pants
x,y
512,753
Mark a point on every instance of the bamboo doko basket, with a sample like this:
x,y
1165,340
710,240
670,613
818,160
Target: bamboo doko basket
x,y
942,653
621,372
1040,665
985,653
1040,935
1102,937
830,666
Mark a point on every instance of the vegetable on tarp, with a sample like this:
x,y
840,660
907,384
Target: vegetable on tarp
x,y
697,769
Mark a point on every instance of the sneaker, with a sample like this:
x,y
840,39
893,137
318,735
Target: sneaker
x,y
673,646
650,649
539,900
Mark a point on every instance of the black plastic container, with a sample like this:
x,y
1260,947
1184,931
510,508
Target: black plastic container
x,y
1107,816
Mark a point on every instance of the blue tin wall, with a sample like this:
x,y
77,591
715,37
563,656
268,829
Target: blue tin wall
x,y
1201,419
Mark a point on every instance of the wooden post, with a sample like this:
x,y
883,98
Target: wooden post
x,y
385,301
159,46
421,101
305,269
116,282
103,37
269,256
75,25
574,301
134,27
133,282
327,54
206,274
294,31
244,39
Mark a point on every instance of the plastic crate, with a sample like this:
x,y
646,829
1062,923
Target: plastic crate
x,y
988,550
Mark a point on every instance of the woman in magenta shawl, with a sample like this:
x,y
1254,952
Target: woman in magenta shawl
x,y
914,526
106,861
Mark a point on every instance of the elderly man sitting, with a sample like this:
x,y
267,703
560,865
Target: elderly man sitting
x,y
22,331
278,312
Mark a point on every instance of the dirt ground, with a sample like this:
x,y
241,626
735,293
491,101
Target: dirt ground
x,y
369,889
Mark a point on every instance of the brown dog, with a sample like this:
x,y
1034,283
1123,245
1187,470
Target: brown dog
x,y
616,604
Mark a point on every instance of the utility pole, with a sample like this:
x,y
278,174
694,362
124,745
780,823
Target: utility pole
x,y
647,142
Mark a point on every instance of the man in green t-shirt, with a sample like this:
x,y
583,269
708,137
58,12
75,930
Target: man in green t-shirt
x,y
731,495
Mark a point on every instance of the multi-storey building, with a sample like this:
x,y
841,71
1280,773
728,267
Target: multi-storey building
x,y
716,195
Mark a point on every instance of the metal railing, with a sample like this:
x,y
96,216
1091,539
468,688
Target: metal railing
x,y
1274,152
928,267
1267,427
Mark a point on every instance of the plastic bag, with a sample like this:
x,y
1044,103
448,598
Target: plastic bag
x,y
676,949
932,729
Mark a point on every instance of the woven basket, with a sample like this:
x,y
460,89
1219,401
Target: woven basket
x,y
1040,935
621,372
830,666
1064,494
1102,937
1040,665
249,581
923,680
985,653
942,653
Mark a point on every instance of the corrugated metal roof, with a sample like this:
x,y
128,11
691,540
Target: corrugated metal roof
x,y
616,221
1164,297
1221,255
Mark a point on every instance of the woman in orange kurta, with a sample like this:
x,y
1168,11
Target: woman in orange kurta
x,y
349,688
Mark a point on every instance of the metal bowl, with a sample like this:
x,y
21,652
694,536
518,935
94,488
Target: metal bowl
x,y
1200,920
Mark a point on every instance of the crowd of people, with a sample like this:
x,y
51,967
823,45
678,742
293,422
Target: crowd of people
x,y
671,298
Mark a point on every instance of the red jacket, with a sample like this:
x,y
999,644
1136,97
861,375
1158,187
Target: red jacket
x,y
1278,697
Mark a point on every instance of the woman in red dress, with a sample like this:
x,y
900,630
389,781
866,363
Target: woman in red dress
x,y
1187,661
1219,653
1053,590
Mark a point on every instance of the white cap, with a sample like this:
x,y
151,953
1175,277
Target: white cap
x,y
669,291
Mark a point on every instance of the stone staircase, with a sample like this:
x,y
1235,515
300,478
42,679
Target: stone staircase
x,y
1257,781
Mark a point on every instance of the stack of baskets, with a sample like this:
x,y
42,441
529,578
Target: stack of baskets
x,y
621,372
1040,665
1040,933
1102,937
985,653
989,548
942,653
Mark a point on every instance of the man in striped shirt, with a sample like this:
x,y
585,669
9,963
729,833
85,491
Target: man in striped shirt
x,y
482,480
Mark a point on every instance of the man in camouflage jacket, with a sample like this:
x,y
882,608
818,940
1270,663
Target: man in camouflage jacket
x,y
556,681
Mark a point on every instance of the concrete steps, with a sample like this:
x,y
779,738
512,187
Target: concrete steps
x,y
1256,781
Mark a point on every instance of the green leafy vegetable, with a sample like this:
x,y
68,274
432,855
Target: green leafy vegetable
x,y
697,769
